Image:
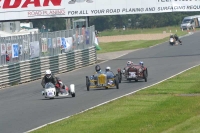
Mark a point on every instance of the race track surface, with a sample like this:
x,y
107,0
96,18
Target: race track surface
x,y
23,108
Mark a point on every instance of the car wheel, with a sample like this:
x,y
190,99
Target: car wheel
x,y
73,94
88,83
145,76
117,83
120,76
136,80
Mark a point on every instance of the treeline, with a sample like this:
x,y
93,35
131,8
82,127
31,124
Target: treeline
x,y
118,21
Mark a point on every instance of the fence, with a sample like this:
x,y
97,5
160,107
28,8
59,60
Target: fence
x,y
26,71
28,47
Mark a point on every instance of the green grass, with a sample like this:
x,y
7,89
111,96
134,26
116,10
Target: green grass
x,y
128,45
170,107
140,31
131,45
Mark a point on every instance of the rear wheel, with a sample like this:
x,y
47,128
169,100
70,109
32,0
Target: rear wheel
x,y
73,94
117,83
120,76
88,84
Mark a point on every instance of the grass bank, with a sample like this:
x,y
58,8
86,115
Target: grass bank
x,y
169,29
131,45
170,107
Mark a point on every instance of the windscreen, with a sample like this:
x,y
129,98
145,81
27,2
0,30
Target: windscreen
x,y
49,85
186,21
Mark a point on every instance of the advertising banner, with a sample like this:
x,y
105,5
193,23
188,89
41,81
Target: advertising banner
x,y
44,44
34,49
59,42
30,9
26,46
68,44
49,43
9,50
15,50
3,49
54,42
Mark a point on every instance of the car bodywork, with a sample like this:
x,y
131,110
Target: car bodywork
x,y
134,72
102,80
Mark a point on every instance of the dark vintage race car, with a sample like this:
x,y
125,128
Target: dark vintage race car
x,y
102,80
134,72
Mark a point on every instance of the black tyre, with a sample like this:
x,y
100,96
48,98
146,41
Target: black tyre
x,y
145,75
73,95
120,76
136,80
117,83
88,84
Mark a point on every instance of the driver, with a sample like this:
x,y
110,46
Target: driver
x,y
48,78
98,69
141,63
129,63
109,73
177,39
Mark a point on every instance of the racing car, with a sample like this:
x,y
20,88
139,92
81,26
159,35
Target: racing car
x,y
134,72
102,80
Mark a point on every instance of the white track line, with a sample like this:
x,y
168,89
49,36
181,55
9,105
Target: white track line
x,y
113,99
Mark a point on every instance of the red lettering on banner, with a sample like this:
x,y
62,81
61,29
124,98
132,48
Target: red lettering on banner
x,y
54,2
27,2
8,5
16,3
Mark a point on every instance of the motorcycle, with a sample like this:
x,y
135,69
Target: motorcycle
x,y
51,91
173,41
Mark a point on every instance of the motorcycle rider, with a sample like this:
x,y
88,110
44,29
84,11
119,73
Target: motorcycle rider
x,y
48,78
177,39
175,36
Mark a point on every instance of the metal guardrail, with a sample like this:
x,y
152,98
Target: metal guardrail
x,y
30,70
50,44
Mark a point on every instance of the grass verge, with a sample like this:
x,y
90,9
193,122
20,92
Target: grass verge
x,y
131,45
170,107
168,29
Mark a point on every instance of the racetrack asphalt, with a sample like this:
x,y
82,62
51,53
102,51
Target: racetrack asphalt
x,y
23,108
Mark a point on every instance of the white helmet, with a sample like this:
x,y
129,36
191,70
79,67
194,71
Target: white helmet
x,y
129,63
141,63
108,68
48,73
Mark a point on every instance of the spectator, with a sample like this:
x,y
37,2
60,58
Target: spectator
x,y
7,57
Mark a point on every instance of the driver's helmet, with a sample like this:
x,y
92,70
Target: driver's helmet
x,y
141,63
129,63
108,69
48,74
97,68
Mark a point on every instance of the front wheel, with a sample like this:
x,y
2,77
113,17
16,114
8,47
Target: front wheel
x,y
145,75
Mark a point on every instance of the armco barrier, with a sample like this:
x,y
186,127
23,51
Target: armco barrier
x,y
26,71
